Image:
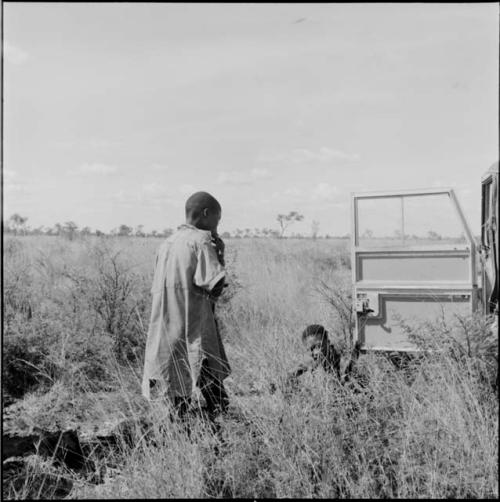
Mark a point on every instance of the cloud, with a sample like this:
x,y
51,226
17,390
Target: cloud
x,y
97,168
86,143
324,154
438,184
121,196
160,167
291,194
225,178
187,189
324,192
329,154
304,155
103,143
260,173
243,178
154,191
465,192
321,193
154,194
8,175
13,54
15,188
14,185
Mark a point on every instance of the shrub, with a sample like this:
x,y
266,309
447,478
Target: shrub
x,y
121,299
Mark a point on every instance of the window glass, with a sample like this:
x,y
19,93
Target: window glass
x,y
379,221
432,220
409,220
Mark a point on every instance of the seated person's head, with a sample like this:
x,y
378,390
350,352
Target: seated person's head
x,y
203,211
315,339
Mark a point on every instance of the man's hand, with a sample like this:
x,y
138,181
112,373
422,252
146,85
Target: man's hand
x,y
217,289
219,245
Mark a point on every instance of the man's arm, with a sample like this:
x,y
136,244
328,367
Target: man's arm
x,y
208,272
217,289
292,379
219,245
352,362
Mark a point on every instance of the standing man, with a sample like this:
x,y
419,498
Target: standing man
x,y
184,348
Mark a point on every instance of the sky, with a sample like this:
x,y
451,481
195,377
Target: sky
x,y
114,113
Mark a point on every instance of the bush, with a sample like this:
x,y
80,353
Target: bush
x,y
121,299
468,341
26,363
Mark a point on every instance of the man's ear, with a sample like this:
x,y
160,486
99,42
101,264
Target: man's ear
x,y
205,212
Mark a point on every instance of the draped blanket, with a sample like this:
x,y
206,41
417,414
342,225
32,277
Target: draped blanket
x,y
182,331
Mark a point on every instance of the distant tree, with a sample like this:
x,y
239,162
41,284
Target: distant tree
x,y
167,232
433,235
69,229
86,231
226,235
314,229
38,230
18,223
239,233
58,229
139,231
285,220
124,230
154,233
99,233
272,232
269,232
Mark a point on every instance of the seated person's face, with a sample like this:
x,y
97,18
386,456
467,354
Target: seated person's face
x,y
316,346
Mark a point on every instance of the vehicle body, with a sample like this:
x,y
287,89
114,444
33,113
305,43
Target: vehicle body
x,y
489,240
414,260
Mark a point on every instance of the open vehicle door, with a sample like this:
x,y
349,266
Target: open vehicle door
x,y
413,260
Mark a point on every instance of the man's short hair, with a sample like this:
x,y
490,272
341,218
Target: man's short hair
x,y
199,201
315,330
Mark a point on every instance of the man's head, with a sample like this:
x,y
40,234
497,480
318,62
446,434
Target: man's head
x,y
203,211
315,339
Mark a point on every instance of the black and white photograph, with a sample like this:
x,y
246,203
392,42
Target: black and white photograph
x,y
249,250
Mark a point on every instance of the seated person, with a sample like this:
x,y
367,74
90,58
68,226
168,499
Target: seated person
x,y
324,355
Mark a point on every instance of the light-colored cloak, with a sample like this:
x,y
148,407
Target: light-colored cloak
x,y
182,330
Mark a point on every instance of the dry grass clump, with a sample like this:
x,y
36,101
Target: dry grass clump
x,y
426,429
420,432
69,307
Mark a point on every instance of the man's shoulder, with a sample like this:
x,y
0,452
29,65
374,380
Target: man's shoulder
x,y
192,235
183,241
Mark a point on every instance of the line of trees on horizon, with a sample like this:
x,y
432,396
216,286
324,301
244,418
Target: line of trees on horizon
x,y
17,225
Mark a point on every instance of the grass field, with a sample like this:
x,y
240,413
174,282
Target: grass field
x,y
75,319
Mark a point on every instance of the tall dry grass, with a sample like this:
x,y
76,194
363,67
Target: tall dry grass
x,y
429,429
